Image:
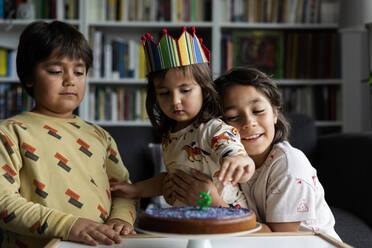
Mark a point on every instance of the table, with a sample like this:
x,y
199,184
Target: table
x,y
254,240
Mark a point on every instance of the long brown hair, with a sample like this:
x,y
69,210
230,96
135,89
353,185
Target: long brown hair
x,y
259,80
211,102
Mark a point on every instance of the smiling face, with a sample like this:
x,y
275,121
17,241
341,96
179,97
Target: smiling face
x,y
250,111
179,96
58,86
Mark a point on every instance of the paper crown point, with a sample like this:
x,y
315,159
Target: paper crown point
x,y
148,36
169,53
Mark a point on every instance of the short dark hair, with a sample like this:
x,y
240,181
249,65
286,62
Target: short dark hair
x,y
259,80
211,102
40,39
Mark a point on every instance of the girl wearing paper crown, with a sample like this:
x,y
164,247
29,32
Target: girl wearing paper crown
x,y
184,107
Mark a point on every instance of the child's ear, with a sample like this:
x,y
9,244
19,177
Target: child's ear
x,y
29,84
275,110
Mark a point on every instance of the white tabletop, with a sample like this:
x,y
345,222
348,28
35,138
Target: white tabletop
x,y
277,240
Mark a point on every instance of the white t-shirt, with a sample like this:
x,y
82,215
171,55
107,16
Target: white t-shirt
x,y
286,189
202,147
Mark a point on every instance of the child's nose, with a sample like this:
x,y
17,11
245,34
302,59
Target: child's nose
x,y
176,99
249,121
69,79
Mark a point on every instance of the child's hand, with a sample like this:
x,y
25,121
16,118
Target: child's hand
x,y
93,233
121,227
236,169
125,190
167,189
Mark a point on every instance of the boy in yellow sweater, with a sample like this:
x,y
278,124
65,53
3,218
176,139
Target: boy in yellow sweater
x,y
55,167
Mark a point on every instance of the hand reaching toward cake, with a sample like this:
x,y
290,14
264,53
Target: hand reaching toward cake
x,y
236,169
121,227
125,190
187,187
167,189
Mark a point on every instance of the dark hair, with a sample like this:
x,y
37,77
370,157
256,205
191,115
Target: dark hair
x,y
40,39
211,102
259,80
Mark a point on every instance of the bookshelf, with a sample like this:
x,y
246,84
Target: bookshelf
x,y
101,22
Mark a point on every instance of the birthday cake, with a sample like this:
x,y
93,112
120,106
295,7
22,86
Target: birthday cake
x,y
193,220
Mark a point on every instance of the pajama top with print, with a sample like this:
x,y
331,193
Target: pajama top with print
x,y
53,171
286,189
202,147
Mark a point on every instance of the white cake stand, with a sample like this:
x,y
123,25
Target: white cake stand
x,y
199,240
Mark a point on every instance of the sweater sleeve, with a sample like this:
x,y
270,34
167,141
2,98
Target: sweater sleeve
x,y
17,213
124,209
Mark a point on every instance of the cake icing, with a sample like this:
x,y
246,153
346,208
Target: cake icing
x,y
194,220
196,213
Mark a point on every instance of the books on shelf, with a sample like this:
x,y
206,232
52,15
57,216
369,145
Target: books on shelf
x,y
8,63
13,100
71,9
115,58
284,54
117,103
193,10
150,10
322,102
278,11
129,10
44,9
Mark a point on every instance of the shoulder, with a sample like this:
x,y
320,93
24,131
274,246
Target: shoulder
x,y
100,131
21,121
216,125
289,160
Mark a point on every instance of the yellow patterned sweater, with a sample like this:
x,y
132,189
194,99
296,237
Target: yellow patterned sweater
x,y
53,171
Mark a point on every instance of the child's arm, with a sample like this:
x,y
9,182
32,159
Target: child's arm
x,y
236,165
122,208
146,188
17,214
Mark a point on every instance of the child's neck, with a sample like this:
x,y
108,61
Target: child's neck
x,y
68,115
181,125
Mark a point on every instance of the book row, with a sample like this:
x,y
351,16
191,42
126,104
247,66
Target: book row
x,y
149,10
119,103
321,102
279,11
129,10
13,100
111,103
114,58
284,54
8,62
37,9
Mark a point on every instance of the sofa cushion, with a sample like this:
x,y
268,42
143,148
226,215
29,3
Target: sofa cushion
x,y
352,229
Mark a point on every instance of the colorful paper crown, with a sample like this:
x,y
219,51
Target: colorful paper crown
x,y
170,53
